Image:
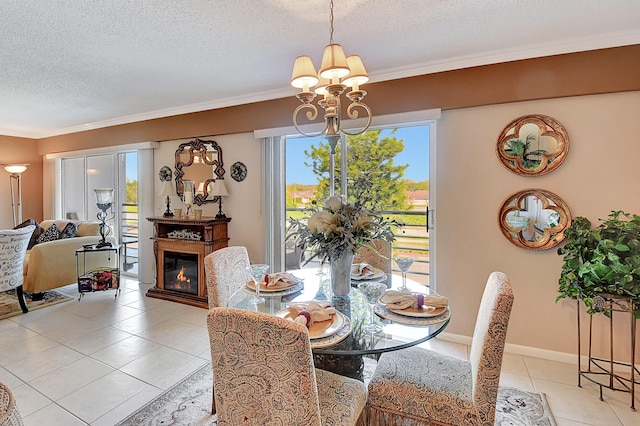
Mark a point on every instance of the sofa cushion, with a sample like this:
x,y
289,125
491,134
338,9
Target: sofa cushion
x,y
36,233
50,234
85,229
69,231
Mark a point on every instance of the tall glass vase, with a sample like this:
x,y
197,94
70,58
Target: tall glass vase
x,y
341,273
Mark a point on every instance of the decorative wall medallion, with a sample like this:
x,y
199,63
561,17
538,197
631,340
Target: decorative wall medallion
x,y
238,171
165,174
533,145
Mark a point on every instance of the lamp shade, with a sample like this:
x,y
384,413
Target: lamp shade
x,y
219,189
104,195
357,74
15,168
321,87
304,73
167,189
334,63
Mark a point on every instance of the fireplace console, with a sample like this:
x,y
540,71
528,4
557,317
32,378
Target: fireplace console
x,y
180,245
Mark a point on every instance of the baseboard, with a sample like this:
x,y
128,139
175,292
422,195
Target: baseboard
x,y
519,349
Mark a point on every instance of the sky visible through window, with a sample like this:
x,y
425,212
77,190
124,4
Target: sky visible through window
x,y
415,154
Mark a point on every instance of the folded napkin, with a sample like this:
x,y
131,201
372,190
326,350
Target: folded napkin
x,y
279,279
362,270
405,299
312,312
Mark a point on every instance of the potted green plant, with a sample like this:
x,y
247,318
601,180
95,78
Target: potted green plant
x,y
602,261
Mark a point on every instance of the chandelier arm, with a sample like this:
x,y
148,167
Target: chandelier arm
x,y
311,115
352,114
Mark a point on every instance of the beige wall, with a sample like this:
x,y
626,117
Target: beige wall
x,y
243,204
21,151
600,174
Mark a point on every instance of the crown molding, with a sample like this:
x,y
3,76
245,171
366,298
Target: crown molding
x,y
487,58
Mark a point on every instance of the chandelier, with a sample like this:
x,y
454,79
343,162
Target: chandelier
x,y
336,74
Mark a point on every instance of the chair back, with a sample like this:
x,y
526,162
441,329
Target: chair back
x,y
262,369
225,271
378,255
487,345
13,246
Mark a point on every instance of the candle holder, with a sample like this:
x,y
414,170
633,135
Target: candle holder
x,y
104,201
187,196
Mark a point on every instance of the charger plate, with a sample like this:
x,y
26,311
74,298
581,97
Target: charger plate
x,y
279,293
279,286
335,338
317,330
378,274
387,314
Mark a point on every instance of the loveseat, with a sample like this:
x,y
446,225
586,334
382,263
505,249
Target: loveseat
x,y
52,264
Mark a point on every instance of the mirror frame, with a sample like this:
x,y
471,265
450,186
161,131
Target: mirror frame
x,y
547,126
551,237
191,148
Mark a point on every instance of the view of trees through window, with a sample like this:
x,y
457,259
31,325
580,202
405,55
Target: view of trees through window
x,y
387,171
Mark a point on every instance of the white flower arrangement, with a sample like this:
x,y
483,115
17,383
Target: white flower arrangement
x,y
339,227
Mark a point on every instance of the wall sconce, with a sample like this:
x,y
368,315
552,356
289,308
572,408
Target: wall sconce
x,y
15,170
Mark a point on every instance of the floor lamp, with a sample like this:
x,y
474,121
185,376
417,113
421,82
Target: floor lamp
x,y
16,205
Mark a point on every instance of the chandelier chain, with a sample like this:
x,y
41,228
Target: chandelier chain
x,y
331,22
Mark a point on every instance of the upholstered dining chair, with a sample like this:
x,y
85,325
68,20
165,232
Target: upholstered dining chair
x,y
13,246
9,413
378,255
226,271
421,387
263,374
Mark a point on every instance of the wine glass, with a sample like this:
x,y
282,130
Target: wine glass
x,y
257,271
404,263
372,290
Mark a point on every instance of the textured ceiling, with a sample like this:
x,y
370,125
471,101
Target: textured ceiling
x,y
69,65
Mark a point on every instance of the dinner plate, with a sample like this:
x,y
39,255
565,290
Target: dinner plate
x,y
387,314
279,286
423,312
377,274
275,293
335,338
317,330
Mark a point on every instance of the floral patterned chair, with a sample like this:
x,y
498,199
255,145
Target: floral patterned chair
x,y
9,413
13,247
264,374
225,271
378,255
420,387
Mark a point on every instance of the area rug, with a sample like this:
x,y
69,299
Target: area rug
x,y
9,305
189,403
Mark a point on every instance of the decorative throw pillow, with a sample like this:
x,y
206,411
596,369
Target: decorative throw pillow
x,y
36,233
50,234
69,231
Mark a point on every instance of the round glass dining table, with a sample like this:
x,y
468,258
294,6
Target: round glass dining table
x,y
345,356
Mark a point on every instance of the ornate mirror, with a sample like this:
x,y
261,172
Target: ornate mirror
x,y
534,219
533,145
201,162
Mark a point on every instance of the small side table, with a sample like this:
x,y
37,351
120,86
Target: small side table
x,y
106,276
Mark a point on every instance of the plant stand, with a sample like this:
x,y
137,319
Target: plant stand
x,y
600,371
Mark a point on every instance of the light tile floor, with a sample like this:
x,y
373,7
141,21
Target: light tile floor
x,y
98,360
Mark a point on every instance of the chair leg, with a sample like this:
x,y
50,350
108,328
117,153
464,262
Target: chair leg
x,y
23,303
213,401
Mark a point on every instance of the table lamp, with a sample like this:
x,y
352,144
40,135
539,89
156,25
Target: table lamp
x,y
104,201
219,190
168,190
